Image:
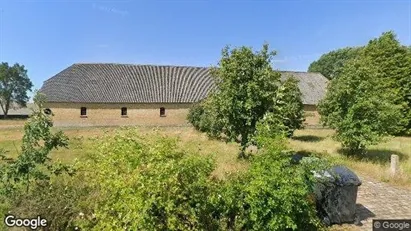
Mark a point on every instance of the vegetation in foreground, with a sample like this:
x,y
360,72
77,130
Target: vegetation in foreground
x,y
136,182
74,193
375,164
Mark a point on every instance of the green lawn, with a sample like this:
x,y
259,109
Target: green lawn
x,y
374,164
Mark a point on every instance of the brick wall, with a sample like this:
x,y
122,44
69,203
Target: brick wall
x,y
68,114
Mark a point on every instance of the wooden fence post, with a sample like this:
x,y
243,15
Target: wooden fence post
x,y
395,160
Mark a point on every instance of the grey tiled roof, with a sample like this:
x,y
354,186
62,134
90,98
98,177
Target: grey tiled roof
x,y
312,85
126,83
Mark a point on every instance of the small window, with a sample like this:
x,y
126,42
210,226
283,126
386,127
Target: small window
x,y
162,112
83,111
123,111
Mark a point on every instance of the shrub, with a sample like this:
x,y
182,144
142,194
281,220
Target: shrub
x,y
195,116
268,128
360,116
288,106
24,180
272,195
203,116
33,164
146,184
61,201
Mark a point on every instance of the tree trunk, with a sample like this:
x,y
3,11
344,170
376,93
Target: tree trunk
x,y
242,154
6,112
5,109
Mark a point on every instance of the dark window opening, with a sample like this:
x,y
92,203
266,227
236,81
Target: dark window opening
x,y
123,111
162,111
83,111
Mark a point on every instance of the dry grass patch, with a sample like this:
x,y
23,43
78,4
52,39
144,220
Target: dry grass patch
x,y
374,164
82,141
79,144
12,122
192,141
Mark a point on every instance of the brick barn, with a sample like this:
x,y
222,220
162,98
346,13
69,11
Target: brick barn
x,y
126,94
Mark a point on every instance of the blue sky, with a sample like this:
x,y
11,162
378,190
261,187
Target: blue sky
x,y
48,36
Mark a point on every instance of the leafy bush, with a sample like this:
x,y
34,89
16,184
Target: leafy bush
x,y
204,117
61,201
270,127
288,105
389,58
195,116
33,164
360,116
146,184
24,180
285,116
272,195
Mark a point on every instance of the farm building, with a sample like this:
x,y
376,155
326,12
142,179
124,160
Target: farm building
x,y
125,94
16,112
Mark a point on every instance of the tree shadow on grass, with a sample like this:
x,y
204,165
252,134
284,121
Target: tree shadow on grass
x,y
308,138
380,156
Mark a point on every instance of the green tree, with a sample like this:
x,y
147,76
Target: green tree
x,y
286,115
204,117
356,107
247,84
288,105
394,65
330,64
14,84
34,163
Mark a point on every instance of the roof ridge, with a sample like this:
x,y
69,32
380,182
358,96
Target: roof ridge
x,y
295,71
153,65
148,83
172,65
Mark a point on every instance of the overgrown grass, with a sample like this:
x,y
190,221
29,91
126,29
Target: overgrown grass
x,y
82,141
374,164
11,122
